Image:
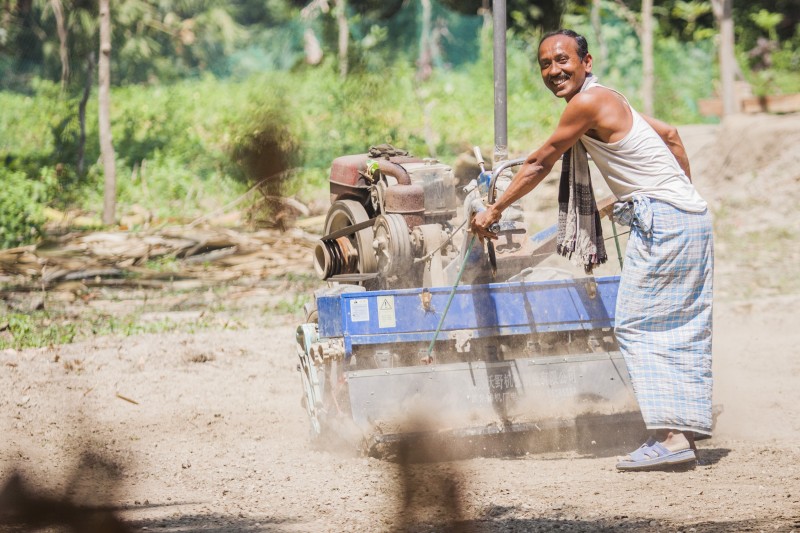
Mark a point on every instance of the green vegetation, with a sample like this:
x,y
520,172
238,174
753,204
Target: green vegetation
x,y
292,305
47,328
21,203
180,148
211,98
34,330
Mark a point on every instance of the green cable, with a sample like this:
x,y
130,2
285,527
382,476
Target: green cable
x,y
616,241
452,294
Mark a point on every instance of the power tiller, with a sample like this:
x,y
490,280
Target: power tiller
x,y
420,332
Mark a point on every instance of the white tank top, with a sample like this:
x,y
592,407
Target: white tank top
x,y
641,163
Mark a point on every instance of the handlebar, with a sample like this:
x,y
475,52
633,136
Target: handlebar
x,y
476,207
499,170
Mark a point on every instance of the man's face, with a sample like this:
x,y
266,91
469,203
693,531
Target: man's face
x,y
562,70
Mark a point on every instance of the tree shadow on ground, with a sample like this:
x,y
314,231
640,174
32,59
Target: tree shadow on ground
x,y
617,524
25,506
215,523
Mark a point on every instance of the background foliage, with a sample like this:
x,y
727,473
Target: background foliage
x,y
212,96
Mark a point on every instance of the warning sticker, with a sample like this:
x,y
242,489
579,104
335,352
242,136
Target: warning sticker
x,y
359,310
386,314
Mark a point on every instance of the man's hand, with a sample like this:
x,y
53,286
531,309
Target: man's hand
x,y
482,221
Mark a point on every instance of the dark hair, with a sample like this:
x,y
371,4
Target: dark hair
x,y
583,46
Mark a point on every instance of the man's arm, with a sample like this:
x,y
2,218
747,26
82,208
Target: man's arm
x,y
577,118
669,134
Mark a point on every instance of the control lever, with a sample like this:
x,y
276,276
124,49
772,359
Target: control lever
x,y
489,244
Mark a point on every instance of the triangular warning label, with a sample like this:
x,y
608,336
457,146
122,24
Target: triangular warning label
x,y
385,304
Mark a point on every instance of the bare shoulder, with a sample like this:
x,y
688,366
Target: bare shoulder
x,y
609,115
594,99
604,96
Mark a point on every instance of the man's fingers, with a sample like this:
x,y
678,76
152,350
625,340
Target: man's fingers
x,y
486,234
477,227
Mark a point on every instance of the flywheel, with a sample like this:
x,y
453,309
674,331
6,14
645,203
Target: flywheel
x,y
347,254
393,246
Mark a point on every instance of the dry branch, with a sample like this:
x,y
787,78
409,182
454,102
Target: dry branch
x,y
158,258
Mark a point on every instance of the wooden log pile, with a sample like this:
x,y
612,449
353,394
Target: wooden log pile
x,y
153,257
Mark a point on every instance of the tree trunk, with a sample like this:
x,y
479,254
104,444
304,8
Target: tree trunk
x,y
647,57
5,19
486,12
63,50
104,114
87,90
344,35
311,47
425,61
598,37
723,10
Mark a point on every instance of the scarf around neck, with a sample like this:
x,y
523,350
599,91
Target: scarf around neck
x,y
579,229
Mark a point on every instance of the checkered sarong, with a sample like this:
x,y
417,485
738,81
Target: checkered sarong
x,y
663,315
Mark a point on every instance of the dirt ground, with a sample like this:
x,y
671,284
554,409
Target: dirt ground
x,y
206,431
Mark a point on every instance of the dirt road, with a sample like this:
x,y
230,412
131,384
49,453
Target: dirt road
x,y
208,434
216,441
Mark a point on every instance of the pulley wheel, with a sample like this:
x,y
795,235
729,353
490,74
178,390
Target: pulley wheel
x,y
344,213
393,245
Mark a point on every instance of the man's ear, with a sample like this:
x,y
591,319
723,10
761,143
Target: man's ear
x,y
587,62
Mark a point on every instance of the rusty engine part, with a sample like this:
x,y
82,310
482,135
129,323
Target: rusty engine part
x,y
376,204
391,225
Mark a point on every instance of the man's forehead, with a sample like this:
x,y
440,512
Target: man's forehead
x,y
556,44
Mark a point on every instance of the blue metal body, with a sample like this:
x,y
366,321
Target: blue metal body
x,y
538,380
497,309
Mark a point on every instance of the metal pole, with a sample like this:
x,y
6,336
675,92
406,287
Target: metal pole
x,y
500,85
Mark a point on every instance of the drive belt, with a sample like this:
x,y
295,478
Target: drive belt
x,y
349,230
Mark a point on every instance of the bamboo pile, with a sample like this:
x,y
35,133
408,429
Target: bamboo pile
x,y
152,257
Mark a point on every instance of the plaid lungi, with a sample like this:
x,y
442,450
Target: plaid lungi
x,y
663,315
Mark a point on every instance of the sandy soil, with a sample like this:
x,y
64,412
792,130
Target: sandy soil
x,y
207,432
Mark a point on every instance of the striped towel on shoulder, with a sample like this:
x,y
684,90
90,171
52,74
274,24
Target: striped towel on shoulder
x,y
579,230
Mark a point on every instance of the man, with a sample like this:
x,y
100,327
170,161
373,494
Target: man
x,y
663,315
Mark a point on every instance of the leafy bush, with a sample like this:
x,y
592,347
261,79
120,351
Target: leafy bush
x,y
21,206
34,127
675,94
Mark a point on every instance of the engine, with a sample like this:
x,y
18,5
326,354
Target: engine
x,y
397,221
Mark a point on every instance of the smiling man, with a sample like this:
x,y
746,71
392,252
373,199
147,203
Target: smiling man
x,y
663,315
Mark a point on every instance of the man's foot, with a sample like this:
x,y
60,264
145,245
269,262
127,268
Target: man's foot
x,y
675,450
638,451
676,441
656,457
